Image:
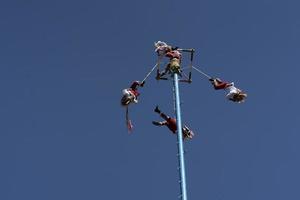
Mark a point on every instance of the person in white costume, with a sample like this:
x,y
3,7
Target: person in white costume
x,y
234,94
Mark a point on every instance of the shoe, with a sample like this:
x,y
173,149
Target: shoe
x,y
157,109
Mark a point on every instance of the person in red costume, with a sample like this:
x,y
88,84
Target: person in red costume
x,y
130,94
171,124
234,94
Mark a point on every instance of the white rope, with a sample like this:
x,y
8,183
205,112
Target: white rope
x,y
150,72
156,65
198,70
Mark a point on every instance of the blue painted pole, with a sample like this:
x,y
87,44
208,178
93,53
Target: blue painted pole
x,y
179,139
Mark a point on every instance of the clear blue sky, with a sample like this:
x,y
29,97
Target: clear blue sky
x,y
62,68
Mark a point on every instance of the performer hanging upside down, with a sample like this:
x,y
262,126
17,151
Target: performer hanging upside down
x,y
130,94
234,94
171,124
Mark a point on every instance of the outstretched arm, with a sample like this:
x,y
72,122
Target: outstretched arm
x,y
163,123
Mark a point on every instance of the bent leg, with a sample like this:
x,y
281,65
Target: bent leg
x,y
164,116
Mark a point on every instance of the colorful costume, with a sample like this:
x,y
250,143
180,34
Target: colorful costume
x,y
131,94
234,94
171,124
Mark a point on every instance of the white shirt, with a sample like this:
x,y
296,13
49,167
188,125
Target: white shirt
x,y
161,48
231,91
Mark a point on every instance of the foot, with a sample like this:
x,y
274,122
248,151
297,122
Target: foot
x,y
157,110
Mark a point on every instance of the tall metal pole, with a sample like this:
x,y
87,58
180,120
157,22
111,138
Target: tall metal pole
x,y
179,139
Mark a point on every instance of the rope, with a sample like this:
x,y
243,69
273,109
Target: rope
x,y
156,65
187,78
198,70
150,72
